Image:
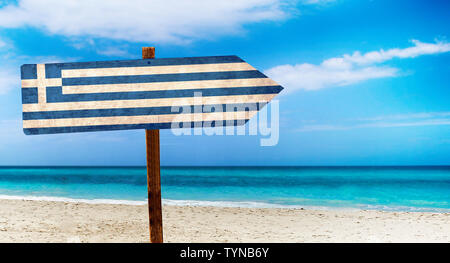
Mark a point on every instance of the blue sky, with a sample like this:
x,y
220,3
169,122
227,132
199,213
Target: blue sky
x,y
366,82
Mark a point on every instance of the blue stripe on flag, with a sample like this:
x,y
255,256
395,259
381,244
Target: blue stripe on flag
x,y
53,70
150,126
140,111
28,71
162,78
151,62
54,94
29,95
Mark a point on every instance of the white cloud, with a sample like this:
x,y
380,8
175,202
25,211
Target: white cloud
x,y
418,49
141,20
387,121
114,52
317,2
349,69
9,79
313,77
396,117
5,45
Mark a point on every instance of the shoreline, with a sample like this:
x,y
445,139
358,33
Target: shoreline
x,y
51,221
225,204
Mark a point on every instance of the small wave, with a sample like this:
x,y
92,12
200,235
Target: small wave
x,y
246,204
403,208
231,204
144,202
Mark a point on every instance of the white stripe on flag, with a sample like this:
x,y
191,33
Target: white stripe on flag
x,y
41,84
179,69
173,85
166,102
33,83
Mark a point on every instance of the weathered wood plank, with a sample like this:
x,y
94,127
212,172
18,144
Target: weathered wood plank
x,y
96,96
153,174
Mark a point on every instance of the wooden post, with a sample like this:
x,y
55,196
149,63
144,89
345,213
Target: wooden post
x,y
153,174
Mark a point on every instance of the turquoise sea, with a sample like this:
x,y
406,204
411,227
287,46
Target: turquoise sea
x,y
385,188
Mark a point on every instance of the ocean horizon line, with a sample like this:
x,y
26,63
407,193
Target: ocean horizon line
x,y
228,166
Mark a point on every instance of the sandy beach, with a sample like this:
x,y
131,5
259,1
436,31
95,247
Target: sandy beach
x,y
49,221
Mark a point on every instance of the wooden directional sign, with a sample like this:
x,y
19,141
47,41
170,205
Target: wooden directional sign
x,y
149,94
142,94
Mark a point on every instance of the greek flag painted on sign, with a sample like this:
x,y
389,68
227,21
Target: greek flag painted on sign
x,y
142,94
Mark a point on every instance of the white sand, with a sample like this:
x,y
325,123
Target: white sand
x,y
46,221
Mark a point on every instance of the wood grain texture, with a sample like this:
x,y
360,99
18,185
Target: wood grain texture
x,y
148,52
59,97
154,186
153,174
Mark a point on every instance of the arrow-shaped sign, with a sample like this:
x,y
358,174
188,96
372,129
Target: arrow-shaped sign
x,y
149,94
142,94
